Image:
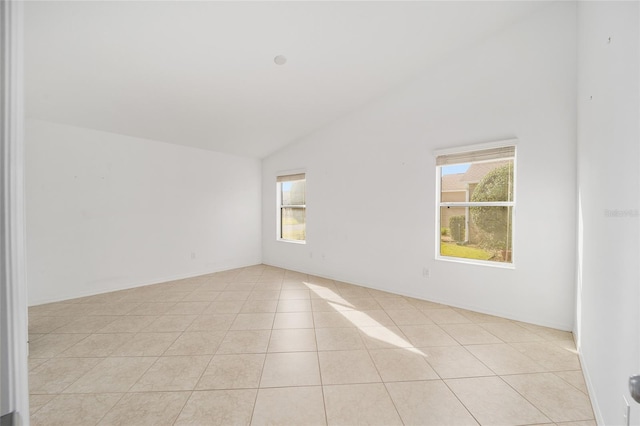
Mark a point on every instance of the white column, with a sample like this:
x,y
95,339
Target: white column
x,y
14,393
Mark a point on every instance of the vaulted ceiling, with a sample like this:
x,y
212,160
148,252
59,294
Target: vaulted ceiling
x,y
202,74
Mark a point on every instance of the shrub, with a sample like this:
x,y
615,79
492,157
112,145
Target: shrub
x,y
494,221
457,227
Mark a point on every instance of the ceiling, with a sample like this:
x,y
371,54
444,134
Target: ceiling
x,y
202,74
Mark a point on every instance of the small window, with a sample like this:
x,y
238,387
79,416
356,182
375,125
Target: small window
x,y
476,201
292,208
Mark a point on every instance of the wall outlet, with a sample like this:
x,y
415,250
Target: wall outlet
x,y
193,255
426,272
627,411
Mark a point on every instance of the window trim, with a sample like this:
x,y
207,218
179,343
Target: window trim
x,y
438,204
280,206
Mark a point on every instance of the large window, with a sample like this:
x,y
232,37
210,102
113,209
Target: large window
x,y
292,207
476,201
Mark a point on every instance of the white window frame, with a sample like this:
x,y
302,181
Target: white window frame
x,y
279,206
469,148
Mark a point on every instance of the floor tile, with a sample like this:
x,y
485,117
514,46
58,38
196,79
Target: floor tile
x,y
111,308
146,409
427,335
116,374
293,320
259,306
169,296
557,399
53,344
549,355
232,372
233,295
408,317
294,305
455,361
286,294
172,373
425,304
196,343
350,292
260,293
549,334
242,286
493,402
146,344
56,374
428,403
245,341
445,316
188,308
33,363
510,332
97,345
169,323
88,324
290,369
36,402
574,378
272,285
331,320
292,340
202,296
396,365
212,322
203,350
347,367
47,324
218,407
71,410
470,334
384,338
289,406
480,318
395,303
361,404
217,286
503,359
332,339
253,321
128,324
224,307
151,308
373,318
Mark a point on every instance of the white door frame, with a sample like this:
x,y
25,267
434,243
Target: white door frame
x,y
14,392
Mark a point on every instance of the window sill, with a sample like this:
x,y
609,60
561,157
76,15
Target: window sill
x,y
462,260
291,241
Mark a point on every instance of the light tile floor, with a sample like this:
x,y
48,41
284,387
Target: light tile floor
x,y
262,345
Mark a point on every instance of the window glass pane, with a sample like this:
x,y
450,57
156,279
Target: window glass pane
x,y
483,233
293,192
477,182
293,222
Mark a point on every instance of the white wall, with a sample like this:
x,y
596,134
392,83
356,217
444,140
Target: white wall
x,y
371,177
608,323
107,211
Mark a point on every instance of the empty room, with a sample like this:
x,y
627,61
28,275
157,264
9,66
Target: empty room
x,y
320,213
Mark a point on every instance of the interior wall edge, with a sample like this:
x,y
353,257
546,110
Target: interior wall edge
x,y
452,303
146,282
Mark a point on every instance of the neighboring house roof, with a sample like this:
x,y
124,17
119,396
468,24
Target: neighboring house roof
x,y
475,172
478,170
453,182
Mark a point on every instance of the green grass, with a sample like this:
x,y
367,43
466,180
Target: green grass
x,y
454,250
